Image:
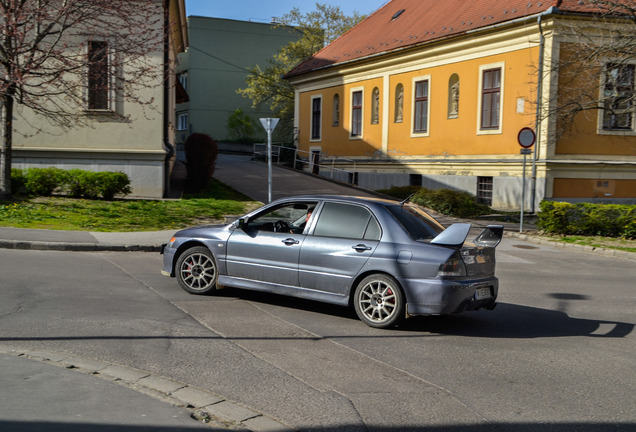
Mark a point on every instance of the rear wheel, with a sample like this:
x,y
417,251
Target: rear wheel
x,y
378,301
196,271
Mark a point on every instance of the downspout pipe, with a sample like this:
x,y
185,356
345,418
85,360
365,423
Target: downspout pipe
x,y
170,151
537,126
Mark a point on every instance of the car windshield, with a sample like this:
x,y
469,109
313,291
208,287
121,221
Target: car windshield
x,y
416,222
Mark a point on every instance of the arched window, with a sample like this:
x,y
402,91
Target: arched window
x,y
453,96
399,103
375,106
336,110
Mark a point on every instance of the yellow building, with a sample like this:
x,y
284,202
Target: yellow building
x,y
435,93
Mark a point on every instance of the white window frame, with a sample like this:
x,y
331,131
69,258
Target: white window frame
x,y
482,68
415,80
351,92
182,121
311,119
183,79
601,112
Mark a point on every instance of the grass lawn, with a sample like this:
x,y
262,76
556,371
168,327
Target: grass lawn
x,y
61,213
600,242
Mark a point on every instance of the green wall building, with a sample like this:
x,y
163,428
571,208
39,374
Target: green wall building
x,y
218,60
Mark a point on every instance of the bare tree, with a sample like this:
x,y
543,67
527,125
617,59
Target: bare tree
x,y
69,59
596,65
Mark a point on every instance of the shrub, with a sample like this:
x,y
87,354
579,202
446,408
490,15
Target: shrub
x,y
81,183
608,220
18,181
43,181
110,184
451,202
75,183
201,152
401,192
447,201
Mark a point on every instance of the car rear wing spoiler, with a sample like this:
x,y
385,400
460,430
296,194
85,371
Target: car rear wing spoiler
x,y
455,235
490,237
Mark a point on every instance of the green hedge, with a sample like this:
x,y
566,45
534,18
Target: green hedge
x,y
76,183
447,201
607,220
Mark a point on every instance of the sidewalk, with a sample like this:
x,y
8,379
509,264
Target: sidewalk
x,y
44,391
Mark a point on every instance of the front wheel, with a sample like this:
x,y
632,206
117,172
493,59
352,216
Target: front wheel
x,y
196,271
379,302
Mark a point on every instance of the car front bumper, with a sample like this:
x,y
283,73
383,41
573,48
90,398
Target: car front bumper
x,y
168,259
443,297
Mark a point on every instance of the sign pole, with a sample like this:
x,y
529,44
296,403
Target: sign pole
x,y
526,139
523,190
269,124
269,165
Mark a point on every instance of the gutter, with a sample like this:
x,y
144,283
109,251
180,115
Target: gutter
x,y
537,123
169,148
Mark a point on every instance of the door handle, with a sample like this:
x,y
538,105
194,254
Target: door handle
x,y
361,247
290,241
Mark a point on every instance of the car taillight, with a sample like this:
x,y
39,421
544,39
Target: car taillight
x,y
454,266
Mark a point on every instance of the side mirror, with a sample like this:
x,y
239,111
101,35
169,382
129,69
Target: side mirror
x,y
242,223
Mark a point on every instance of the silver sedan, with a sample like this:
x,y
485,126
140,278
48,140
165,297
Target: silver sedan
x,y
386,259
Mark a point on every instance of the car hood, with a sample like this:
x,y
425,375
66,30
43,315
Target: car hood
x,y
205,231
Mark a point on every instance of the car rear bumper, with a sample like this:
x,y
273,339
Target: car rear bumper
x,y
442,297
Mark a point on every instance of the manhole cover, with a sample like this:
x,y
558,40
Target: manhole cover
x,y
525,247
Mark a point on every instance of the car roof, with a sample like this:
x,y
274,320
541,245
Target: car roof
x,y
343,198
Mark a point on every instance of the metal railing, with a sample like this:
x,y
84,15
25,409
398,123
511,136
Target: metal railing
x,y
315,162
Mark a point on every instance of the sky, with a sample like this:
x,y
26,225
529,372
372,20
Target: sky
x,y
264,10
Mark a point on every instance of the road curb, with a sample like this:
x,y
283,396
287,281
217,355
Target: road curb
x,y
546,241
105,247
76,247
205,407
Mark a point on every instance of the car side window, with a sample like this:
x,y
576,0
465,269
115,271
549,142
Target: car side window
x,y
347,221
288,218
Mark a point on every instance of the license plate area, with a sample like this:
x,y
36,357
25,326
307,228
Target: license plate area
x,y
483,293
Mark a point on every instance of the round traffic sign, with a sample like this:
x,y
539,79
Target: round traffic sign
x,y
526,137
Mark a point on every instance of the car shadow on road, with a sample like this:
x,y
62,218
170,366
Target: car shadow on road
x,y
510,321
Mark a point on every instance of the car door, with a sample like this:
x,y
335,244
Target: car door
x,y
338,246
267,247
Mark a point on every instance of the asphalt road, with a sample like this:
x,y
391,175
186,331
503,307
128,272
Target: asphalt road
x,y
556,355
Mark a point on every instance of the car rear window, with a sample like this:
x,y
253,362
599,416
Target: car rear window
x,y
416,222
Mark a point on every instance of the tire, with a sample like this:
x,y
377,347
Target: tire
x,y
379,302
196,271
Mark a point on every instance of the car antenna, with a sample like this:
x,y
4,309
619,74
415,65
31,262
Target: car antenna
x,y
407,199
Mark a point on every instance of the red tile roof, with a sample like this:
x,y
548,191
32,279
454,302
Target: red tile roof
x,y
422,21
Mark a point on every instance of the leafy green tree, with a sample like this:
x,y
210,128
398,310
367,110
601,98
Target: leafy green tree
x,y
240,125
317,28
